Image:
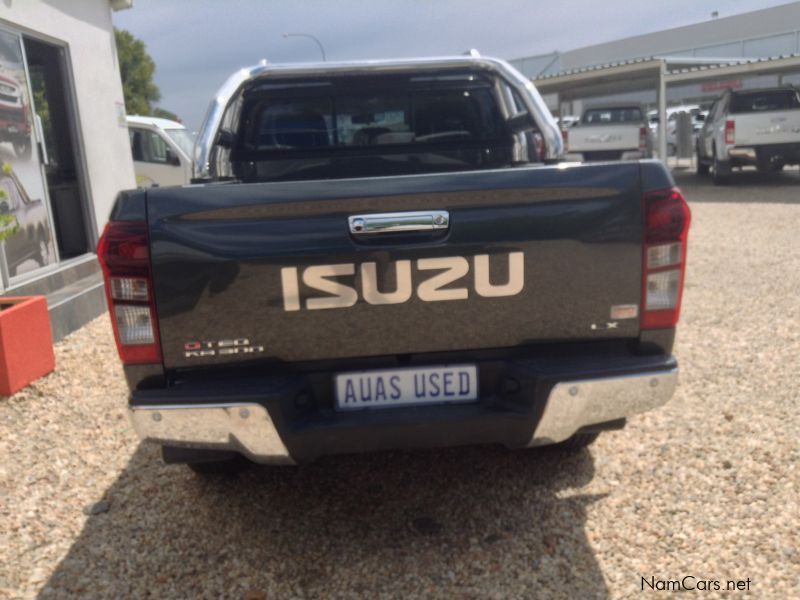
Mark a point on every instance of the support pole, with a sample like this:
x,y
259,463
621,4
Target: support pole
x,y
662,112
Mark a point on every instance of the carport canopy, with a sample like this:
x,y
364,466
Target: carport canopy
x,y
656,73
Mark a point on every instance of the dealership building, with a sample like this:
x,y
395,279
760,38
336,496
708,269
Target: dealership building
x,y
762,34
64,151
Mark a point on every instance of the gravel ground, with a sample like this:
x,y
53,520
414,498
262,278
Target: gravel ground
x,y
706,486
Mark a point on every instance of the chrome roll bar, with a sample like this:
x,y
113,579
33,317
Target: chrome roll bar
x,y
205,151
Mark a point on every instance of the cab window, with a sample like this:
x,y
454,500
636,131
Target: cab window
x,y
148,146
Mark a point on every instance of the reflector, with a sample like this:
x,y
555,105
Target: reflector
x,y
662,290
134,324
129,288
664,255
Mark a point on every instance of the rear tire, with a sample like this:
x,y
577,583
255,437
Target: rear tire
x,y
716,177
702,168
42,251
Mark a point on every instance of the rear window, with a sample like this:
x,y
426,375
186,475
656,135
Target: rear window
x,y
749,102
359,126
373,118
602,116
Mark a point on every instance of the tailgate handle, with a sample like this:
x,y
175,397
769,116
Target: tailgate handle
x,y
426,220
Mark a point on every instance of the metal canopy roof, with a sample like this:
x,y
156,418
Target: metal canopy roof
x,y
752,67
643,74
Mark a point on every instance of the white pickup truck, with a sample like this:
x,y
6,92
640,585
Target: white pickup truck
x,y
610,132
753,127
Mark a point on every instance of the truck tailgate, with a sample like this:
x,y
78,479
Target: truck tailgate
x,y
533,254
762,128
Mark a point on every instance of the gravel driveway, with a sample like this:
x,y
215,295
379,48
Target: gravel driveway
x,y
706,486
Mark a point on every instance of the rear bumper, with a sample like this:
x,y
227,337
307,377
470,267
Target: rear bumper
x,y
764,154
531,403
605,155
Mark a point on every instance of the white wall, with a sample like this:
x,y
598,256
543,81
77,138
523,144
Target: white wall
x,y
761,33
84,26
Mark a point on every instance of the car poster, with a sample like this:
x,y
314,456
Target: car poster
x,y
25,231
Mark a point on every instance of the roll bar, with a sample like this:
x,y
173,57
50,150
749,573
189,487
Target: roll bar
x,y
206,147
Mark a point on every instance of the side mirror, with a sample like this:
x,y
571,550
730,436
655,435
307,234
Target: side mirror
x,y
225,138
521,123
173,159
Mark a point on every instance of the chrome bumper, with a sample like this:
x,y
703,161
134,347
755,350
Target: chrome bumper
x,y
572,405
247,427
745,153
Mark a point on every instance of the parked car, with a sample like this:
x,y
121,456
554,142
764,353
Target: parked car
x,y
371,265
750,127
32,238
162,151
568,121
698,118
15,123
610,132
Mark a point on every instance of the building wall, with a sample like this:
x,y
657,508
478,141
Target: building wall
x,y
86,29
758,34
761,33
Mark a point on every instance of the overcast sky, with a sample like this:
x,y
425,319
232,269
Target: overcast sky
x,y
196,44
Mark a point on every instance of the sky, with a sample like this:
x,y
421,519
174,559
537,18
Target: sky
x,y
197,44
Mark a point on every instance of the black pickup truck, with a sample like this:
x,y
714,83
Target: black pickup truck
x,y
386,255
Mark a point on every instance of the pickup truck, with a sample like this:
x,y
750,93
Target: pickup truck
x,y
388,254
161,151
697,114
26,232
758,128
610,132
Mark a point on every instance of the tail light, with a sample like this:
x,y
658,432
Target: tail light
x,y
124,254
643,139
565,136
730,132
667,219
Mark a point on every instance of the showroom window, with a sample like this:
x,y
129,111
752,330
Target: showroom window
x,y
44,213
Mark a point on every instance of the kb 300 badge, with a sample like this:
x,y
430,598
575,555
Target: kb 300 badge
x,y
221,348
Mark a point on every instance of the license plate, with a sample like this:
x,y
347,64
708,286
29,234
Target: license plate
x,y
406,387
13,129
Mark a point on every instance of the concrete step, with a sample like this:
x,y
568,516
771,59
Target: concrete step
x,y
74,294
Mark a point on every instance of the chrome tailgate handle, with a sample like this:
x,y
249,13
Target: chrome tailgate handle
x,y
426,220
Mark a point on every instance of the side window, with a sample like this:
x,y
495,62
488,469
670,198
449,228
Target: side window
x,y
147,146
158,148
137,150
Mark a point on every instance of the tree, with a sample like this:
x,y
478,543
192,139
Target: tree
x,y
137,69
165,114
8,222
